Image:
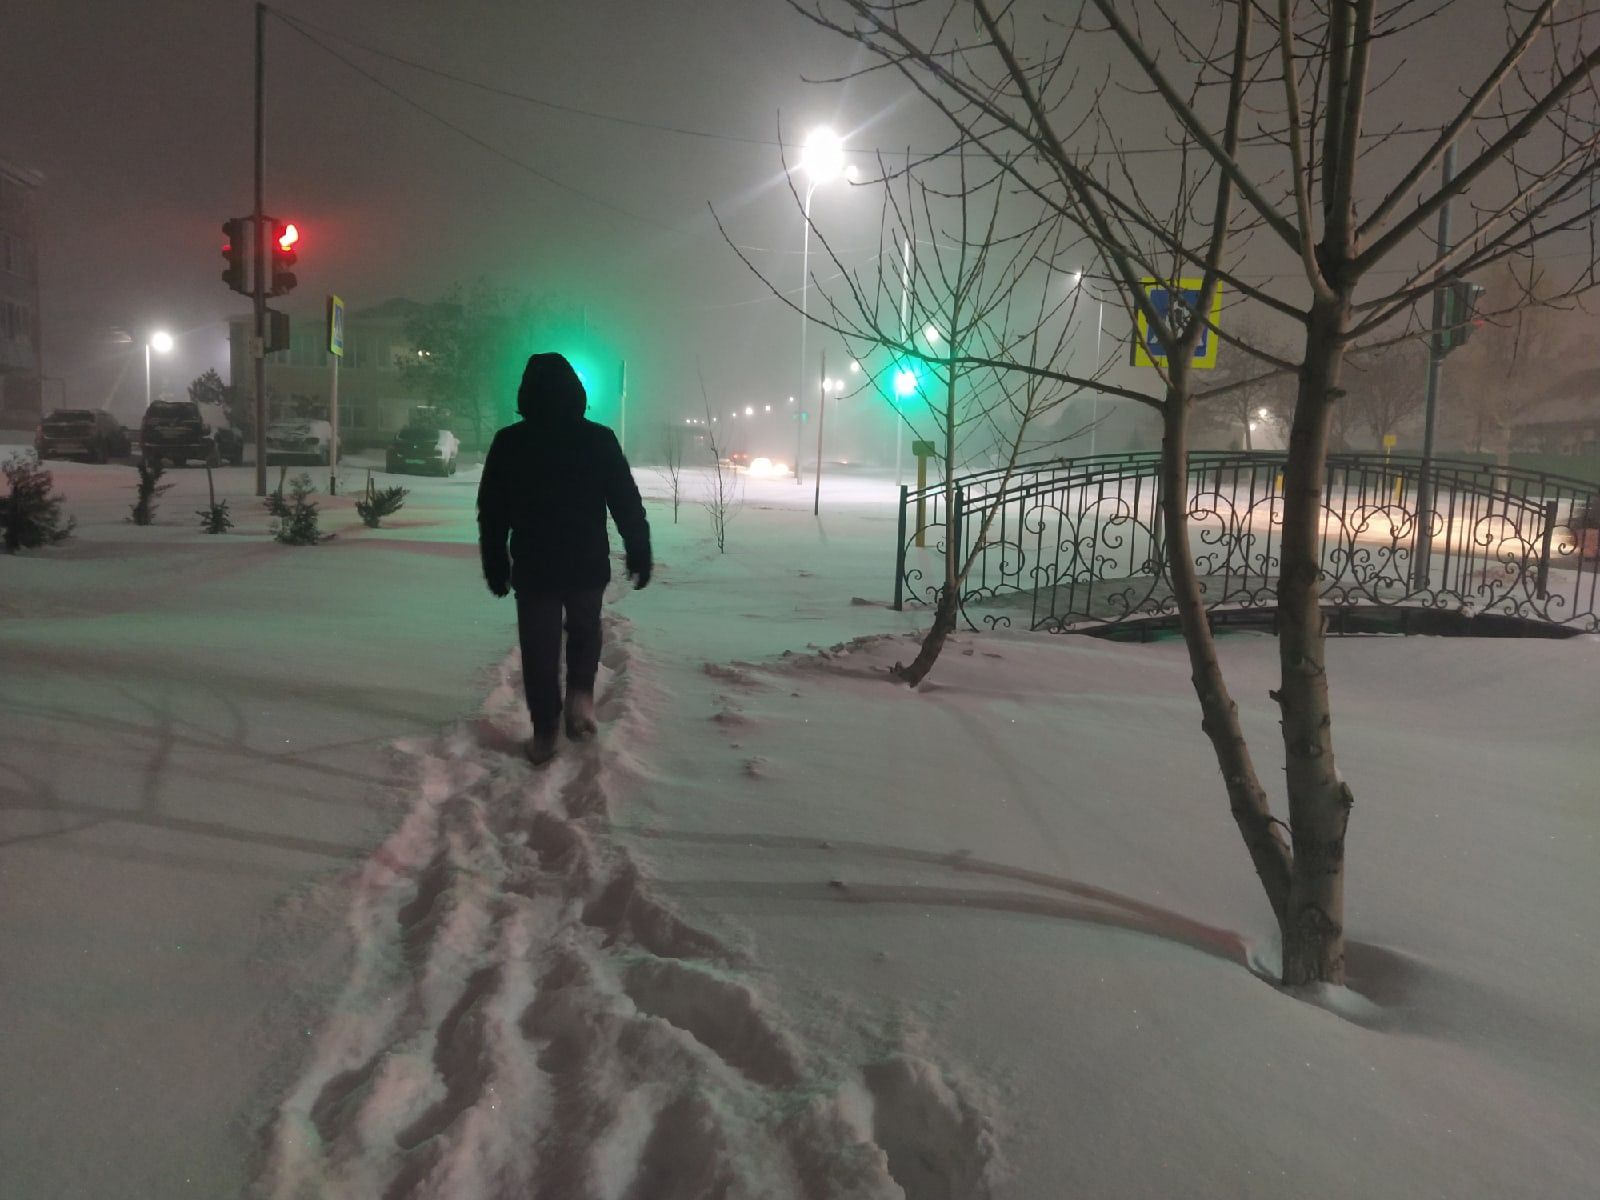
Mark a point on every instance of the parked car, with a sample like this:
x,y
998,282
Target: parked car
x,y
299,441
175,431
81,433
424,449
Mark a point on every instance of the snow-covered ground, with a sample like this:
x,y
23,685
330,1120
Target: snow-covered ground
x,y
284,913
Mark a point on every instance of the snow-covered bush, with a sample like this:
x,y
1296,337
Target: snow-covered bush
x,y
30,514
149,487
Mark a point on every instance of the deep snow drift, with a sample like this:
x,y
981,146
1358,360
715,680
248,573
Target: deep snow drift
x,y
787,930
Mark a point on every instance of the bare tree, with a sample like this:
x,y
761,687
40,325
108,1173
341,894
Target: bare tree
x,y
1241,399
671,468
954,295
1298,186
1512,359
1386,389
724,491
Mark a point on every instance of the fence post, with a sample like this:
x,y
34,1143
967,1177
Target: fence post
x,y
1544,549
955,532
900,555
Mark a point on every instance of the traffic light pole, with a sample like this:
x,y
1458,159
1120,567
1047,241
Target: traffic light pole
x,y
258,222
1436,351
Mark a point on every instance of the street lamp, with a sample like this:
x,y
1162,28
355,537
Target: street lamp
x,y
161,342
822,159
1099,327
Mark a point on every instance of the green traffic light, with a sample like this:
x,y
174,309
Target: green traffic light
x,y
905,382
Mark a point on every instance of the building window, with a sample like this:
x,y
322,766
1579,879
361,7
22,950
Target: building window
x,y
14,323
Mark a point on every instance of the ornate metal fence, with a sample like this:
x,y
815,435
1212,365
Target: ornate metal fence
x,y
1074,544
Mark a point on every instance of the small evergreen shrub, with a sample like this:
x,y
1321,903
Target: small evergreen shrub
x,y
148,490
215,519
379,503
298,524
30,514
275,504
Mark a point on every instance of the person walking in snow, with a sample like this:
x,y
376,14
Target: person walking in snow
x,y
548,481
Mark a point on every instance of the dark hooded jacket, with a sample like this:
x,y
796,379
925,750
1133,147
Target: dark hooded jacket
x,y
547,482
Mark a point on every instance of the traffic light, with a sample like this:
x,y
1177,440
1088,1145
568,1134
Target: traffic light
x,y
906,378
284,239
236,252
1460,313
277,331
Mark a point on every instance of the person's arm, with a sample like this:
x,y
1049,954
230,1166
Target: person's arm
x,y
494,517
627,510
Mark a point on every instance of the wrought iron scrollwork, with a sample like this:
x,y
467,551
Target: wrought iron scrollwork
x,y
1079,543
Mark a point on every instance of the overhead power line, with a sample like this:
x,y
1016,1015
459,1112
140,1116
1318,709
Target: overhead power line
x,y
296,25
303,27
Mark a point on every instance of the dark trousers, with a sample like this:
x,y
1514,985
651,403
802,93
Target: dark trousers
x,y
539,624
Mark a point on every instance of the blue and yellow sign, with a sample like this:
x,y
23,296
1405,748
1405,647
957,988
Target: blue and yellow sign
x,y
336,326
1176,307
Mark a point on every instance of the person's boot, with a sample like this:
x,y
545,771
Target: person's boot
x,y
580,716
541,747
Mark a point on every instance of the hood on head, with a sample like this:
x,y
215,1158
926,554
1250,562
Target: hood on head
x,y
551,389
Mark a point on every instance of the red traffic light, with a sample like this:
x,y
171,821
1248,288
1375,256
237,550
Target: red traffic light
x,y
285,236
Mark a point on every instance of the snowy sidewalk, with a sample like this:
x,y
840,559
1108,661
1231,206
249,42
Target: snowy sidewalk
x,y
787,929
193,731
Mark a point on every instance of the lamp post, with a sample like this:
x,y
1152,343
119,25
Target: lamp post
x,y
822,159
1099,327
161,342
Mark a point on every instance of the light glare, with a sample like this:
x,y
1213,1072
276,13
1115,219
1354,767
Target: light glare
x,y
822,155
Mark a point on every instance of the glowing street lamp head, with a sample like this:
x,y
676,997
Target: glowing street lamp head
x,y
931,334
161,341
822,155
854,366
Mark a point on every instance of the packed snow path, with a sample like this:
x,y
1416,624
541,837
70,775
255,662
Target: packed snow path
x,y
523,1017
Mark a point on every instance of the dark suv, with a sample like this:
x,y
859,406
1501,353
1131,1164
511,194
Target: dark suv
x,y
81,433
174,430
424,447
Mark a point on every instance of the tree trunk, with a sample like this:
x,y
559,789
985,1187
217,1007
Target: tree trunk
x,y
944,624
944,616
1319,801
1219,714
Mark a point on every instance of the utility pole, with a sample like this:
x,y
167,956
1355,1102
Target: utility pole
x,y
622,405
258,344
822,416
1420,574
799,429
905,335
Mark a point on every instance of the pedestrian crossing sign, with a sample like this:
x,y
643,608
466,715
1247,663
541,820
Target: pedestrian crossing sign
x,y
1176,307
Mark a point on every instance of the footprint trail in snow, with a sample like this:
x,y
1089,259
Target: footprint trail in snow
x,y
523,1017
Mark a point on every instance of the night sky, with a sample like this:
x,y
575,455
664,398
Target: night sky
x,y
139,117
